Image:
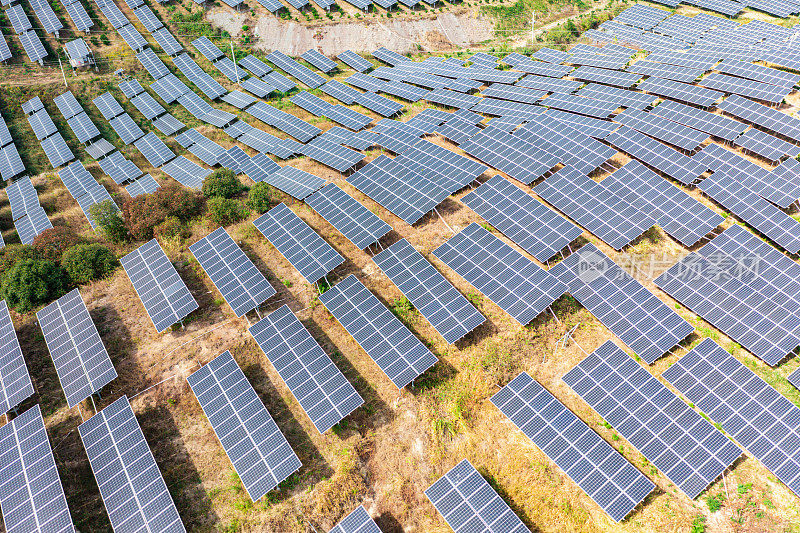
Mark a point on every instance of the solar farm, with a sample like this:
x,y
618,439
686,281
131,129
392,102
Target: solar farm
x,y
551,287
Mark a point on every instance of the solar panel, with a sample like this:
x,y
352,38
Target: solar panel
x,y
31,494
201,146
664,71
279,81
632,313
10,162
609,217
19,20
438,301
680,215
119,168
108,106
452,98
642,16
457,130
449,170
57,151
297,128
202,80
319,387
742,87
169,88
510,154
710,123
682,92
606,477
68,105
615,95
261,455
512,281
400,355
579,105
230,70
549,55
533,226
207,48
758,73
293,181
42,124
292,67
662,129
167,41
79,16
365,82
168,124
154,150
143,185
603,75
746,204
132,37
354,61
148,106
126,128
537,68
81,360
358,224
15,382
232,272
256,86
761,115
186,172
148,19
669,433
655,154
468,503
163,293
99,148
744,405
320,61
389,56
593,127
767,146
32,105
133,490
357,521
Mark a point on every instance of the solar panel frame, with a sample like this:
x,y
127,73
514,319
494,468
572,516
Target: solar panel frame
x,y
358,224
230,270
119,168
683,92
41,124
154,150
616,78
599,470
318,60
664,71
71,335
354,61
68,105
19,20
168,124
57,151
166,298
186,172
767,146
132,37
79,16
398,353
125,471
11,164
127,129
662,129
710,123
209,50
148,106
742,87
579,105
510,154
15,381
292,67
512,281
167,41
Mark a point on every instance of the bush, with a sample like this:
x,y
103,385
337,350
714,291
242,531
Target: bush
x,y
87,262
224,211
170,228
147,211
51,244
106,216
223,183
261,197
31,282
13,254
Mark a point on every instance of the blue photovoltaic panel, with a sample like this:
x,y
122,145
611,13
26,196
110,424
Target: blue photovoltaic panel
x,y
358,224
165,296
354,61
669,433
15,382
515,283
358,521
468,503
510,154
400,355
597,468
298,243
31,495
761,420
252,440
640,320
437,300
319,387
292,67
528,222
81,360
133,490
234,275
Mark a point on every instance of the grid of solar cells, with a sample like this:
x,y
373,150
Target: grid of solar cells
x,y
662,129
202,80
579,105
152,63
186,172
533,226
68,105
81,360
688,59
292,67
99,148
358,224
753,89
680,215
201,146
594,207
31,494
79,16
606,477
642,16
746,204
119,168
452,98
132,37
169,88
615,95
682,92
655,154
10,162
32,45
468,503
252,440
404,90
690,451
331,154
593,127
143,185
340,91
399,354
543,54
457,130
167,41
640,320
710,123
749,409
762,115
148,19
767,146
514,93
163,293
230,70
154,150
297,128
512,281
538,68
664,71
168,124
319,387
133,490
357,521
298,243
608,77
57,151
354,61
450,313
148,106
389,56
364,81
510,154
232,272
256,86
19,20
15,382
207,48
42,124
450,170
318,60
758,73
83,127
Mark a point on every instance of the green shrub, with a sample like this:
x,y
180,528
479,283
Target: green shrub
x,y
86,262
147,211
107,217
261,197
51,244
31,282
14,253
224,211
222,183
171,227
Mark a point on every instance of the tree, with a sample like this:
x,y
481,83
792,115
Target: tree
x,y
224,211
86,262
14,253
51,244
222,183
106,215
147,211
31,282
261,197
